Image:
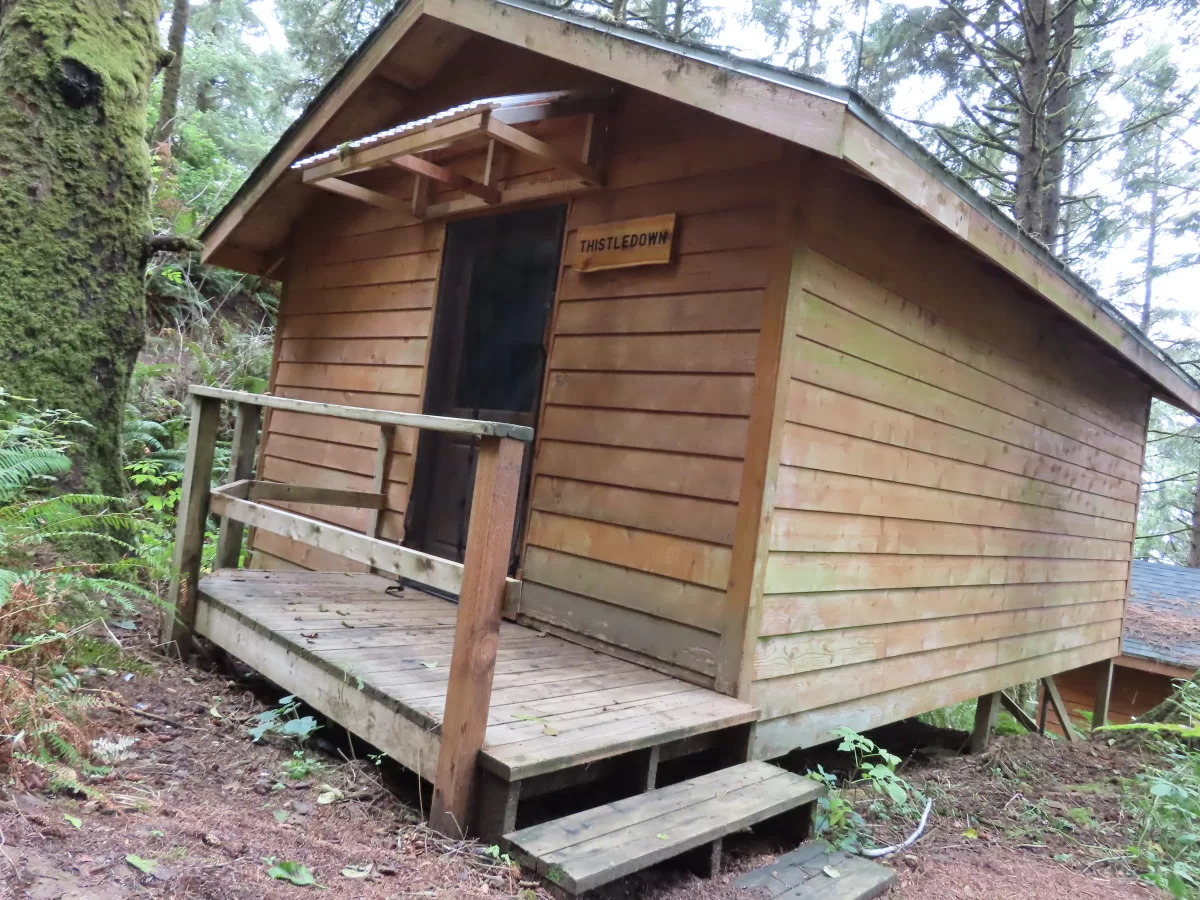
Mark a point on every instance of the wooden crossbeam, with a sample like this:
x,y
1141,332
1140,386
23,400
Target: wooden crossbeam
x,y
358,192
451,179
430,138
302,493
1015,710
388,558
1060,708
527,143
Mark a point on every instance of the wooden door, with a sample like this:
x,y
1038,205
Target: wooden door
x,y
487,360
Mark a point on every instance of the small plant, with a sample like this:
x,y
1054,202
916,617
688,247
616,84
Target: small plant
x,y
285,721
302,766
875,773
494,852
1165,799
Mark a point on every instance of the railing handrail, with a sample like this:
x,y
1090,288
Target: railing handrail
x,y
364,414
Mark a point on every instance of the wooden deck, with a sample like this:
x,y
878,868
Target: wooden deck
x,y
379,665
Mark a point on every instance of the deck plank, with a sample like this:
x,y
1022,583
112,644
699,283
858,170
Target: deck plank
x,y
398,650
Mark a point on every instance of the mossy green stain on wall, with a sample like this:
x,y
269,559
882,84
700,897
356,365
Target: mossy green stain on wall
x,y
74,208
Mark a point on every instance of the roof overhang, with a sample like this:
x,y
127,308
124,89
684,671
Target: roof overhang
x,y
804,111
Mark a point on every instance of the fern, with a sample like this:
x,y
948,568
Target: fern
x,y
23,468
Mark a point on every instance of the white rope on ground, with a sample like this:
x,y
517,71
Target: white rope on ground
x,y
908,842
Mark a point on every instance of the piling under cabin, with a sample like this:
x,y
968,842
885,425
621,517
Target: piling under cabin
x,y
726,415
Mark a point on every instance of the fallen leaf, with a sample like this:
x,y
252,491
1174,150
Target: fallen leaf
x,y
551,732
831,871
429,665
281,815
289,870
310,635
346,624
75,823
661,836
526,717
142,865
329,795
356,871
971,834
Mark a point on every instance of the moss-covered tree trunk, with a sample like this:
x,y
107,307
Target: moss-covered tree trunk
x,y
75,209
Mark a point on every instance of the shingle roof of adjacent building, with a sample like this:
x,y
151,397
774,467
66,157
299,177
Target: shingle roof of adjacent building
x,y
1162,619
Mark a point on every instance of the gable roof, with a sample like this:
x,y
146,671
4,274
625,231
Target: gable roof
x,y
1162,617
803,110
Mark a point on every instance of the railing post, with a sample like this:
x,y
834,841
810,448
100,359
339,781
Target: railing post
x,y
189,529
477,629
383,453
241,467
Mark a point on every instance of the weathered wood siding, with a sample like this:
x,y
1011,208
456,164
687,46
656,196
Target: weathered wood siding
x,y
643,427
353,329
956,495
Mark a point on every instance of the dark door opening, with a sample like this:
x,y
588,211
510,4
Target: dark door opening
x,y
486,361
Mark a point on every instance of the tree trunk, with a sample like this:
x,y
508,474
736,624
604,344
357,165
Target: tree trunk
x,y
1148,273
74,210
176,38
1193,560
1059,118
1031,121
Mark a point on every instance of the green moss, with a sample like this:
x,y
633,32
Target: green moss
x,y
74,209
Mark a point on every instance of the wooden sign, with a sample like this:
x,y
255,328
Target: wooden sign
x,y
618,245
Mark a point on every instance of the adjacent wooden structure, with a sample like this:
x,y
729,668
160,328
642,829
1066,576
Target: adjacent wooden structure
x,y
851,450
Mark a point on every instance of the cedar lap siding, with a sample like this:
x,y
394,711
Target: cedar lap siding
x,y
832,458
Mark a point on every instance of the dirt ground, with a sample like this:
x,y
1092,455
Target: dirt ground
x,y
206,813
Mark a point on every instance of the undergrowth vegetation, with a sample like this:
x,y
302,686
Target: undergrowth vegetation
x,y
76,568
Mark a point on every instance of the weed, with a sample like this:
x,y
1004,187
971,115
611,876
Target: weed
x,y
301,766
875,773
285,720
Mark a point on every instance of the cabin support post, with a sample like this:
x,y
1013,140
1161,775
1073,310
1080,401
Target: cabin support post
x,y
1104,679
241,468
756,495
987,713
1051,695
180,616
1018,712
477,629
495,806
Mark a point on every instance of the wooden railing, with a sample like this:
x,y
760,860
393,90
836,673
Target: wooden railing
x,y
480,581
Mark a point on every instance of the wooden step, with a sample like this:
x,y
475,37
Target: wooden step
x,y
600,845
816,871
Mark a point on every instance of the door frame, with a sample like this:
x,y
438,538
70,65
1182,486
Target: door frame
x,y
419,496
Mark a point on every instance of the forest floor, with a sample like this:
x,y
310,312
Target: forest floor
x,y
200,811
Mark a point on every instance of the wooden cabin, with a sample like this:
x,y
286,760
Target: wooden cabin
x,y
1160,645
770,422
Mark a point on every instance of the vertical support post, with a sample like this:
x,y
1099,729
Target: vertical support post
x,y
1104,680
477,629
987,713
420,196
1060,708
189,530
778,338
383,453
241,466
